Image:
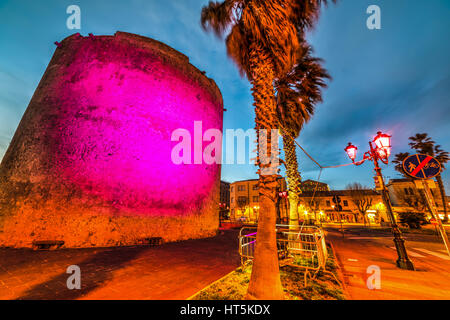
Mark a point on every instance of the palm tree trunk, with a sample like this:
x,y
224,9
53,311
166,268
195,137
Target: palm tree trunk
x,y
293,178
265,283
443,196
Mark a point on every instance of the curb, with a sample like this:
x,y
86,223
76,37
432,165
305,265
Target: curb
x,y
339,271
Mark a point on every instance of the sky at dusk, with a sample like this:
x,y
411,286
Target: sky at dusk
x,y
396,79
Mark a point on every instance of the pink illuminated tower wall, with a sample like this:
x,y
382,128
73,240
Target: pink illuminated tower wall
x,y
90,162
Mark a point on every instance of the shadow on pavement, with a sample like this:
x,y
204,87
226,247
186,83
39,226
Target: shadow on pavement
x,y
95,271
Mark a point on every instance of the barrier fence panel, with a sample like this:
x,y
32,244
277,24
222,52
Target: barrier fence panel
x,y
301,247
247,242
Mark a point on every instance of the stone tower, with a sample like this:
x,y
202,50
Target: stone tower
x,y
90,162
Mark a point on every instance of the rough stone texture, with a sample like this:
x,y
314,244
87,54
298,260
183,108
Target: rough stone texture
x,y
90,162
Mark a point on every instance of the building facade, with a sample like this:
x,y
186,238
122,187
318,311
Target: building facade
x,y
408,195
311,186
244,200
319,206
317,202
224,201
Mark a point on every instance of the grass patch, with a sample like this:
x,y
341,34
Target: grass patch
x,y
232,287
235,285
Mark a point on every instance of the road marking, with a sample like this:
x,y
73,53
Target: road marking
x,y
433,253
411,253
415,254
353,260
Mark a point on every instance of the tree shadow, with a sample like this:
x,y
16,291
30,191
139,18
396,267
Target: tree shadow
x,y
95,271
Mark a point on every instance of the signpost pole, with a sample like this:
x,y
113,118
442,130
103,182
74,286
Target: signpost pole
x,y
435,215
424,167
337,201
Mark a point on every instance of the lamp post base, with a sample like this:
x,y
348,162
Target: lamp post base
x,y
406,265
403,261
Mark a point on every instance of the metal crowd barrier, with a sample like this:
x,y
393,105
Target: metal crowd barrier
x,y
299,247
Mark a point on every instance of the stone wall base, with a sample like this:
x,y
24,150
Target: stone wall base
x,y
98,230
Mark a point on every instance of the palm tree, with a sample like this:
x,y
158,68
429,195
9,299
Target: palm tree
x,y
425,145
263,40
297,93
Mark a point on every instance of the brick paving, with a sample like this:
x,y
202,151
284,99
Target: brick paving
x,y
172,271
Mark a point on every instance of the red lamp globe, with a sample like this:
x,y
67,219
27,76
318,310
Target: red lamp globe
x,y
351,151
383,143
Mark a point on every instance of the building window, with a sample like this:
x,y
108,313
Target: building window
x,y
328,203
255,199
345,203
232,189
255,187
242,201
232,200
241,188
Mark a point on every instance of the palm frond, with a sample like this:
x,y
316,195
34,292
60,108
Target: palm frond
x,y
276,26
300,90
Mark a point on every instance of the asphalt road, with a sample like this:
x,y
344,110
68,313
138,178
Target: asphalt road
x,y
360,248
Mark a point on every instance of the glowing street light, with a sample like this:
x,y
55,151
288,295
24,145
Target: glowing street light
x,y
383,143
351,151
382,151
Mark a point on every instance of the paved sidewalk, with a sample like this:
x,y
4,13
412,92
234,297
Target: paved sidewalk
x,y
355,254
172,271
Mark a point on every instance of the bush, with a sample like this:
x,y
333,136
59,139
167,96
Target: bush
x,y
414,220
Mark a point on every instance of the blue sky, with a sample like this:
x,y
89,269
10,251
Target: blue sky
x,y
396,79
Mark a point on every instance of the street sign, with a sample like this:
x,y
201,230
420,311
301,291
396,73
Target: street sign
x,y
378,183
435,215
421,166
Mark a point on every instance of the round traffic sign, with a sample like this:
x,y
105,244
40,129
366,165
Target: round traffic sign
x,y
421,166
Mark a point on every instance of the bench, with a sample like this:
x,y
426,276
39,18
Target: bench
x,y
157,241
47,244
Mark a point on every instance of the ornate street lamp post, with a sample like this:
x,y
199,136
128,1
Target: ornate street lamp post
x,y
382,151
283,195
